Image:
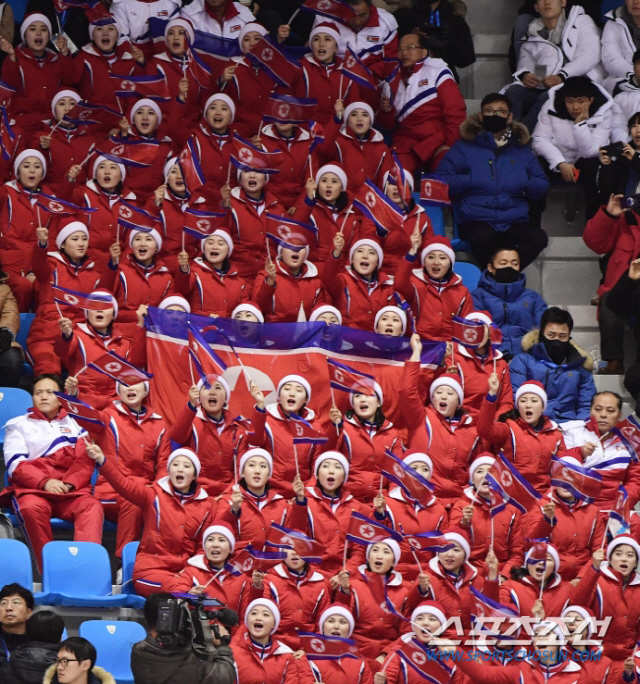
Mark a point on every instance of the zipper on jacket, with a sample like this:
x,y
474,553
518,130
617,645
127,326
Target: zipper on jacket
x,y
491,169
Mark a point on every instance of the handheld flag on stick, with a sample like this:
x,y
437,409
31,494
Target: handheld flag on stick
x,y
583,483
81,300
305,432
434,541
123,160
79,410
409,480
434,192
375,205
365,531
190,167
349,379
287,109
119,369
205,363
87,114
331,9
154,87
306,548
201,224
505,479
354,68
321,647
425,662
467,333
486,609
267,55
247,157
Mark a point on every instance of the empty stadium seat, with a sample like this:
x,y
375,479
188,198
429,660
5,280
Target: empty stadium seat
x,y
437,218
470,274
13,402
128,559
26,319
113,641
78,574
15,566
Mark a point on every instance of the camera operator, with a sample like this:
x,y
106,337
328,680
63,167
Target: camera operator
x,y
174,660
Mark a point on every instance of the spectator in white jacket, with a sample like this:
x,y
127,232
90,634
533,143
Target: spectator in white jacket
x,y
221,18
626,102
555,48
620,39
574,123
133,17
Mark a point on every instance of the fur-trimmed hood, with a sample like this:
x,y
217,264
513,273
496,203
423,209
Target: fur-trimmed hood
x,y
472,127
100,676
532,338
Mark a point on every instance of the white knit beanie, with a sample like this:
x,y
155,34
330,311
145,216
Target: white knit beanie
x,y
365,242
153,232
187,453
146,102
69,229
254,453
337,610
270,605
294,378
336,456
392,309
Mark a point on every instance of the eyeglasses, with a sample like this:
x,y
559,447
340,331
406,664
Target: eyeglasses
x,y
408,47
14,603
499,112
63,662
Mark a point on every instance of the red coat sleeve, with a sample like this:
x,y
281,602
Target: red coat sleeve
x,y
133,489
454,109
496,433
180,431
410,395
184,283
79,474
32,474
263,293
258,421
402,280
601,232
40,265
331,276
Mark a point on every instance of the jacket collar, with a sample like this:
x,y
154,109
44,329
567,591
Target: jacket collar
x,y
398,495
386,425
508,292
454,280
468,571
394,581
272,132
372,135
92,185
272,409
126,411
90,49
206,266
165,485
308,270
315,494
607,571
461,349
88,330
58,256
552,585
313,576
35,414
239,194
156,267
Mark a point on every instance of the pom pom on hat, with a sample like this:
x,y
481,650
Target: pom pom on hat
x,y
294,378
335,169
392,309
69,229
533,387
365,242
223,528
438,243
270,605
187,453
327,27
336,456
337,609
448,380
224,98
253,453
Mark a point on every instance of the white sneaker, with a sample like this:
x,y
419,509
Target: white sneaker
x,y
119,576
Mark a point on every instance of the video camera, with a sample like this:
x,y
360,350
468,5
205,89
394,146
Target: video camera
x,y
193,620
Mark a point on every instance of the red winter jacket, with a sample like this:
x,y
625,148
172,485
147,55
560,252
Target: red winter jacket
x,y
301,600
608,596
277,666
409,517
508,540
92,73
273,431
364,446
247,223
357,299
376,627
214,153
452,445
19,218
398,241
256,514
475,371
85,346
36,82
217,446
209,291
575,532
605,234
399,672
173,524
326,84
530,450
293,163
351,670
328,524
281,302
433,306
235,591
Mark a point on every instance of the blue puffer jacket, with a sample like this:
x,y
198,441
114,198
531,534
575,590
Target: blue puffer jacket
x,y
491,183
569,386
514,308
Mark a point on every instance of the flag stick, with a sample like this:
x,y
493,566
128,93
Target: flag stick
x,y
54,128
58,22
293,16
491,543
86,159
542,581
266,241
344,220
82,370
384,667
344,556
58,307
295,455
214,577
415,555
333,401
38,212
229,174
235,464
606,531
183,240
310,167
341,82
346,95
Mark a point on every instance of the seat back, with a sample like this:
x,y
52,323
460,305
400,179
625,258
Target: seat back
x,y
15,563
79,569
26,319
13,402
470,274
129,552
436,215
113,640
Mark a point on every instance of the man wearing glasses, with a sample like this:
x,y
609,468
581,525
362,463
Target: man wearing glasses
x,y
492,174
16,604
75,664
427,108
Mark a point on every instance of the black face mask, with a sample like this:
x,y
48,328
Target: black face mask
x,y
506,275
494,123
557,349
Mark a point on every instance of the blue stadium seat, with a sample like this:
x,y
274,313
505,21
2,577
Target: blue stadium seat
x,y
129,552
13,402
457,244
26,319
113,642
437,218
470,274
15,566
78,574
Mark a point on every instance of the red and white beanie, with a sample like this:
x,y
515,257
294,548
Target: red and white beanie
x,y
327,27
175,300
585,613
111,304
251,27
211,380
460,536
438,243
223,528
69,229
434,608
99,159
336,456
269,605
419,457
337,609
223,98
295,378
377,390
153,232
325,308
401,313
448,380
392,544
29,153
623,539
335,169
359,105
365,242
31,19
63,93
146,102
481,316
221,234
187,453
551,551
484,459
251,308
185,24
532,387
255,453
